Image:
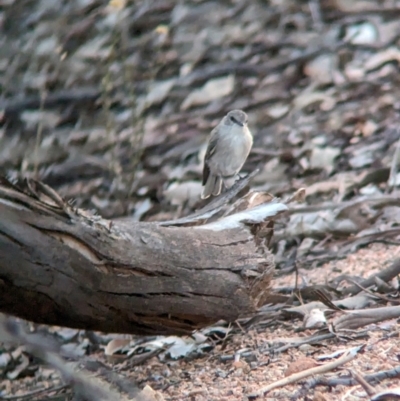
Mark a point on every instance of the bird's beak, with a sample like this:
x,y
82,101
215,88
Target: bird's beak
x,y
240,123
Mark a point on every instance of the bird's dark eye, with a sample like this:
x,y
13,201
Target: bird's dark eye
x,y
233,119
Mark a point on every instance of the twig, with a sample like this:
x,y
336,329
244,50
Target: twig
x,y
342,381
375,202
352,320
83,386
316,14
107,87
386,275
392,181
39,132
309,340
309,372
296,291
373,294
354,243
365,385
36,392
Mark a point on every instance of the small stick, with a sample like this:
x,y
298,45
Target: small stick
x,y
364,384
392,181
306,373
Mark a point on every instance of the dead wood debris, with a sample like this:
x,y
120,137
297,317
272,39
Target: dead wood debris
x,y
308,372
124,95
84,387
145,278
375,378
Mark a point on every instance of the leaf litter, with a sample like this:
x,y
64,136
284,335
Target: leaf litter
x,y
124,95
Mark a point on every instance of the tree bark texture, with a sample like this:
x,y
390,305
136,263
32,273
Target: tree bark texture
x,y
64,266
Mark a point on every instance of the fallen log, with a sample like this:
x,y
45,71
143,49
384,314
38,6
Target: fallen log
x,y
64,266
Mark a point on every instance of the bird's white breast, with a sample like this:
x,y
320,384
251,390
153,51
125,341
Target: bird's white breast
x,y
233,147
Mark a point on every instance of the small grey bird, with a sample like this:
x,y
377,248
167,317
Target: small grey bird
x,y
229,145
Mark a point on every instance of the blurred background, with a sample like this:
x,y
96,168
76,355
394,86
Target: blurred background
x,y
111,102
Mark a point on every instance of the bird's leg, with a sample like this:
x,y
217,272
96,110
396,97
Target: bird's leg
x,y
229,181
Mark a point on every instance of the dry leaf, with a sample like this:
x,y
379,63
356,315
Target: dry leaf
x,y
113,347
148,394
212,90
321,68
314,319
324,157
362,34
159,92
301,364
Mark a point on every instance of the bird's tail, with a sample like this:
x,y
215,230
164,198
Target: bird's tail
x,y
213,186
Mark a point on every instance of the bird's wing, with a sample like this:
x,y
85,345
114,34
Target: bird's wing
x,y
212,145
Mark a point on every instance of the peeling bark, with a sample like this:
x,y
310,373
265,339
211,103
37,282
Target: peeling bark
x,y
61,265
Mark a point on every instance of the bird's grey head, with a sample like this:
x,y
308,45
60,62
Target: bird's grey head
x,y
236,117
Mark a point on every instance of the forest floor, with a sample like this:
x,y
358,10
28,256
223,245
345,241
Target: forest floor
x,y
111,105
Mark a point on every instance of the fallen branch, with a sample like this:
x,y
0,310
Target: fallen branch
x,y
386,275
104,385
305,373
352,320
11,108
364,384
377,378
61,265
